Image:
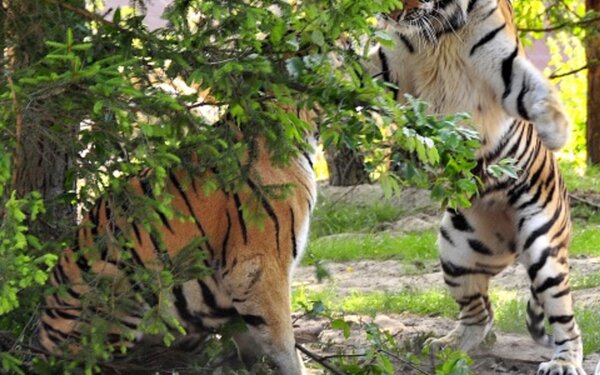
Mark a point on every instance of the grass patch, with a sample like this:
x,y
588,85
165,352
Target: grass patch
x,y
428,302
589,180
510,317
585,281
332,218
409,247
510,312
586,240
510,309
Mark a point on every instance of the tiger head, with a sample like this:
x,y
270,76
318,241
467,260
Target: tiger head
x,y
432,18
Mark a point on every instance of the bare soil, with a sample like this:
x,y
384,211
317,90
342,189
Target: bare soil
x,y
504,354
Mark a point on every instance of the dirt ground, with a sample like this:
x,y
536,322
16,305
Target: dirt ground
x,y
506,354
509,354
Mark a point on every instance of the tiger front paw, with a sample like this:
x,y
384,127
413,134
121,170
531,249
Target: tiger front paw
x,y
462,338
551,122
560,367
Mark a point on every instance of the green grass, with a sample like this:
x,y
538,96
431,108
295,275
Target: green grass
x,y
409,247
331,218
575,180
510,310
586,240
510,317
428,302
585,281
418,246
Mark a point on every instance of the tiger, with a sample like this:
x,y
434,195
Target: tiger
x,y
251,263
465,56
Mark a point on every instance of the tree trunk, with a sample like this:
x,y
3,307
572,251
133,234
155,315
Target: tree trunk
x,y
593,104
43,150
346,167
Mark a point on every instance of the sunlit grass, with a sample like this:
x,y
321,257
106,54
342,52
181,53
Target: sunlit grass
x,y
585,281
331,218
411,247
586,240
427,302
510,317
510,308
582,179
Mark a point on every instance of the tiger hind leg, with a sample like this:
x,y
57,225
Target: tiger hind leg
x,y
468,262
548,269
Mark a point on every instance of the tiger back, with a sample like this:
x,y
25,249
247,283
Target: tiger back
x,y
252,263
465,56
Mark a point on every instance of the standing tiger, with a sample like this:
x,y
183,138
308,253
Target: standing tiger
x,y
465,56
252,263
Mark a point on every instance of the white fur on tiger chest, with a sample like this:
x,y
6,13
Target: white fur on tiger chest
x,y
444,79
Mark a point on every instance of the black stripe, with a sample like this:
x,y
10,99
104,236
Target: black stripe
x,y
506,137
542,230
147,189
520,101
454,270
467,300
537,266
54,334
471,5
182,306
533,199
188,204
562,293
459,222
477,323
406,43
136,232
551,282
307,157
385,70
446,236
208,296
54,311
562,342
59,274
507,72
238,206
478,247
489,14
562,319
253,320
226,241
267,207
293,228
94,216
486,38
451,283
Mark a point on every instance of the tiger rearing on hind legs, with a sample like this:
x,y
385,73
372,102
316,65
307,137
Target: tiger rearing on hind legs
x,y
465,56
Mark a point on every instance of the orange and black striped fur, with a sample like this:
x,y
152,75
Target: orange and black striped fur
x,y
252,264
465,56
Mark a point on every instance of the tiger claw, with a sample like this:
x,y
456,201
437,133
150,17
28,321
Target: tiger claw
x,y
560,367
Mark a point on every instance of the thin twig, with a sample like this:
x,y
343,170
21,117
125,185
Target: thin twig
x,y
556,75
559,26
406,362
585,201
320,360
86,14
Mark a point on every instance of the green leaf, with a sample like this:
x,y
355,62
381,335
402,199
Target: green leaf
x,y
317,38
342,325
